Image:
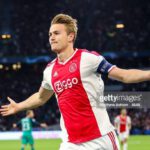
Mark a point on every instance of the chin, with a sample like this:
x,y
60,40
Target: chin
x,y
55,50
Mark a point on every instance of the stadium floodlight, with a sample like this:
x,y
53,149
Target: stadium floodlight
x,y
8,36
120,26
1,66
5,36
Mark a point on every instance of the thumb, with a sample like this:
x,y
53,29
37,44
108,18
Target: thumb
x,y
10,100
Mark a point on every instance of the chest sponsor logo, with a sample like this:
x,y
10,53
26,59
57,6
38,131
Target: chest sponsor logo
x,y
122,122
65,84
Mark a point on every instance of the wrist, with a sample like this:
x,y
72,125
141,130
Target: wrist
x,y
19,107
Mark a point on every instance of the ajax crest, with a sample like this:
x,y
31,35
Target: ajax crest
x,y
73,67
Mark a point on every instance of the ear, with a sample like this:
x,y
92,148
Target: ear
x,y
71,37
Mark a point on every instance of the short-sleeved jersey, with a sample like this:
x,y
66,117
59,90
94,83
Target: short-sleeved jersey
x,y
26,125
122,123
78,86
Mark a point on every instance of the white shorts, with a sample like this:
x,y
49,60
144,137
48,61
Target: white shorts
x,y
107,142
123,136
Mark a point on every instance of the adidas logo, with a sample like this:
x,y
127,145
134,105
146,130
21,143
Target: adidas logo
x,y
55,74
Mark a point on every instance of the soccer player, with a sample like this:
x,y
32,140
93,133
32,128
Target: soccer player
x,y
75,78
26,124
123,126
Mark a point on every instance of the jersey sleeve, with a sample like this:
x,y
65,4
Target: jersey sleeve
x,y
104,67
100,64
34,122
116,121
45,84
18,123
129,120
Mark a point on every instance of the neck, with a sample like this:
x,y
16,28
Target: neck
x,y
65,54
123,115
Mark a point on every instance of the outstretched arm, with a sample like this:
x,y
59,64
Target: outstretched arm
x,y
130,75
43,125
35,100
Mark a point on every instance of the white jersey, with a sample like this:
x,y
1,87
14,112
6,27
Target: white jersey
x,y
78,86
123,123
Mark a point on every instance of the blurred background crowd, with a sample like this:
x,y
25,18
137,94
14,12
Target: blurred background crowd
x,y
28,23
119,31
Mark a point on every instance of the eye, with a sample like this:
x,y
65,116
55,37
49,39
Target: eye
x,y
56,33
49,34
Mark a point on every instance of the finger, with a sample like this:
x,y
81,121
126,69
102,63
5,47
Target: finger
x,y
4,109
4,113
5,106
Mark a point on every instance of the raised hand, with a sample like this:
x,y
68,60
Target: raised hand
x,y
10,108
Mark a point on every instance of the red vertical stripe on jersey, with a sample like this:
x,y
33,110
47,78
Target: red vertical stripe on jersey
x,y
112,138
123,123
73,101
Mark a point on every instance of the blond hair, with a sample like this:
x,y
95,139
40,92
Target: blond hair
x,y
68,21
28,112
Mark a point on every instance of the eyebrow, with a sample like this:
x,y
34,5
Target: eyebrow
x,y
56,31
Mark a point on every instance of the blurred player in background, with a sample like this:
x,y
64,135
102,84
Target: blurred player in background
x,y
26,125
123,125
75,78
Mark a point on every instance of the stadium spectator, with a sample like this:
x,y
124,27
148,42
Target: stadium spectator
x,y
100,23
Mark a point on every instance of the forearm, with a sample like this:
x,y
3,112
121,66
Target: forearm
x,y
135,76
129,126
116,126
32,102
37,99
130,75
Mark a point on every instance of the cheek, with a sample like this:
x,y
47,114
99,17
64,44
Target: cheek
x,y
65,39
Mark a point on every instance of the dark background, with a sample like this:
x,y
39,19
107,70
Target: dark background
x,y
27,23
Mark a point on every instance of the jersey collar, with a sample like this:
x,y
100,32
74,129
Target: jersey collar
x,y
63,63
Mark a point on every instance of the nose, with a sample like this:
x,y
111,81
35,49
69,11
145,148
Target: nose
x,y
52,37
